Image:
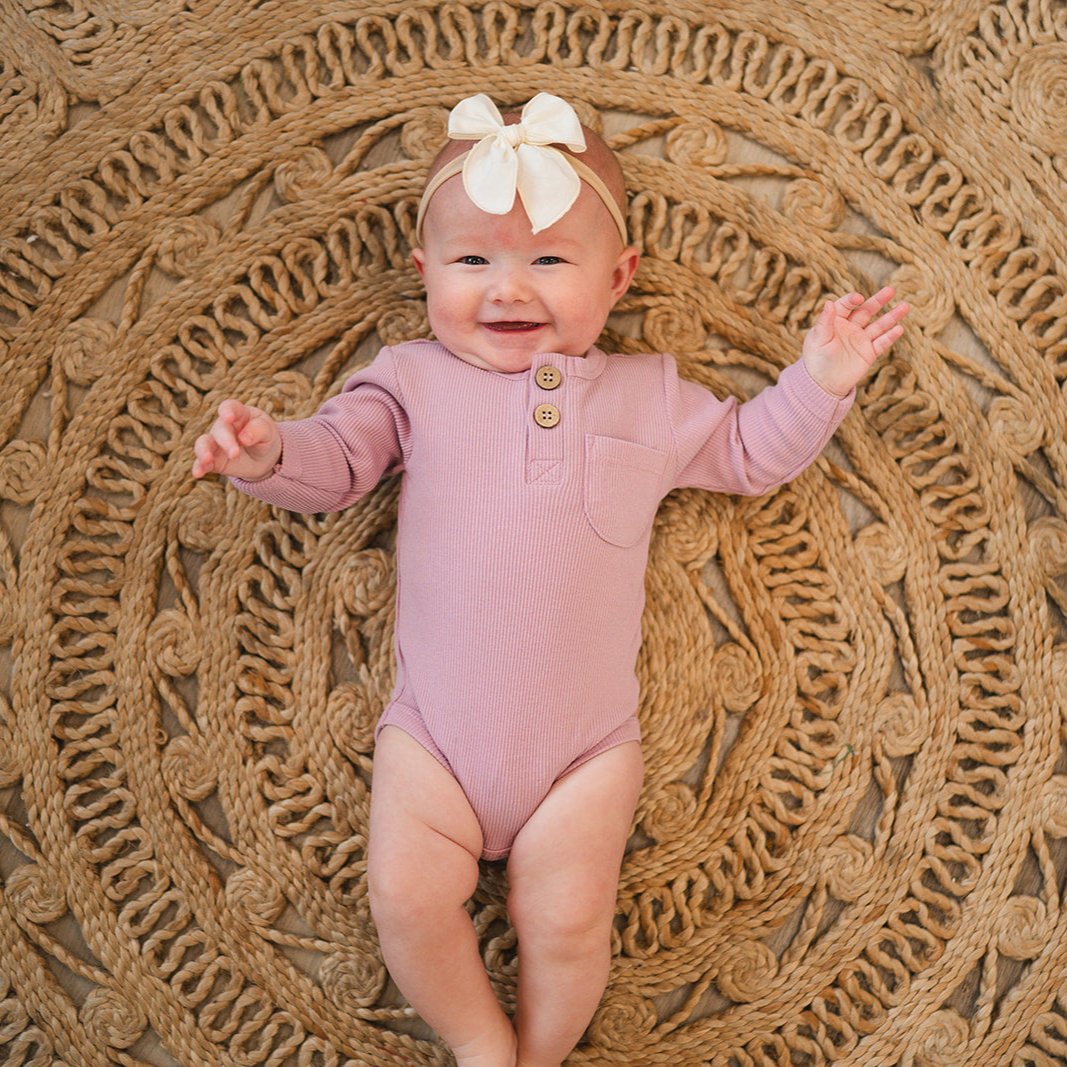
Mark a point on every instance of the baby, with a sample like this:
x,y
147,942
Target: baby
x,y
533,466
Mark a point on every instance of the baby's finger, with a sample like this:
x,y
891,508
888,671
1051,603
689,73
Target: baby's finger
x,y
225,437
870,307
204,449
888,321
233,412
255,431
882,344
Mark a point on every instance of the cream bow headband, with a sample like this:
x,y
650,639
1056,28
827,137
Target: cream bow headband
x,y
518,159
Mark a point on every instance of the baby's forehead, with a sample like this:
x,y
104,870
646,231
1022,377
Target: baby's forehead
x,y
453,219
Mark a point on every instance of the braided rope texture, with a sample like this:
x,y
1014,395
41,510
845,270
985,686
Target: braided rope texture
x,y
852,843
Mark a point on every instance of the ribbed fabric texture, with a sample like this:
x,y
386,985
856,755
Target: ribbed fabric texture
x,y
522,548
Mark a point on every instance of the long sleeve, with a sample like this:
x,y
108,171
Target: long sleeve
x,y
341,452
750,448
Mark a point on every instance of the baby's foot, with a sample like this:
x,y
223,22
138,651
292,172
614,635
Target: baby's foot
x,y
491,1050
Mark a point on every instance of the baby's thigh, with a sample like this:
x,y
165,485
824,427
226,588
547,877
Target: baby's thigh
x,y
564,863
423,831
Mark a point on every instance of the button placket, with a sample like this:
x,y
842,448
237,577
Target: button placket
x,y
544,440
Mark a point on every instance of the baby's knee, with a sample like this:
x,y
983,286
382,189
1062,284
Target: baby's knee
x,y
572,917
404,890
397,891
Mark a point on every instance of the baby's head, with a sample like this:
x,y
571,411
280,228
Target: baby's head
x,y
500,288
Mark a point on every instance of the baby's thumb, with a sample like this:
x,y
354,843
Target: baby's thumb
x,y
257,430
823,329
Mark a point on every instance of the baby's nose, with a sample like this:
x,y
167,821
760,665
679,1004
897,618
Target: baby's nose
x,y
510,285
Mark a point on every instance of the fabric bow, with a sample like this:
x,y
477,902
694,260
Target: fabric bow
x,y
517,158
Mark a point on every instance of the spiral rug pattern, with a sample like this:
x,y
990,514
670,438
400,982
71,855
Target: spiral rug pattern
x,y
852,843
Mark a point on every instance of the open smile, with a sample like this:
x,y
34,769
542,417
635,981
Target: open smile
x,y
513,327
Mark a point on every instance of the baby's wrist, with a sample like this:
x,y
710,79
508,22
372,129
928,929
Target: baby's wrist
x,y
268,470
828,383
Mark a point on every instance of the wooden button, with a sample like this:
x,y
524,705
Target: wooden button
x,y
546,415
548,378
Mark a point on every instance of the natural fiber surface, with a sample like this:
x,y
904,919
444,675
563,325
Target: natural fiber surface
x,y
853,837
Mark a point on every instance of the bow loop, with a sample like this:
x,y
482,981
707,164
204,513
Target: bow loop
x,y
518,157
549,120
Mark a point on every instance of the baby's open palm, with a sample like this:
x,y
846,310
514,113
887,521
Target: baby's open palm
x,y
849,335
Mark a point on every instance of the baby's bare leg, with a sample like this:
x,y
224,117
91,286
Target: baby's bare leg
x,y
564,874
422,867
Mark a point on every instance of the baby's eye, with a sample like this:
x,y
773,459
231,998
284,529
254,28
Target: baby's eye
x,y
473,261
548,261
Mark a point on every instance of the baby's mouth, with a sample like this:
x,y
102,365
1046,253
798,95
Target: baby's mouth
x,y
512,327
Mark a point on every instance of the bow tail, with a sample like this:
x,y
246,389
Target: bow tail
x,y
490,174
547,185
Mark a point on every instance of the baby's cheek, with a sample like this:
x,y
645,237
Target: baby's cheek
x,y
588,314
436,307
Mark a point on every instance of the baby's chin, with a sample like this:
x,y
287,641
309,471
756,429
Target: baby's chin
x,y
508,350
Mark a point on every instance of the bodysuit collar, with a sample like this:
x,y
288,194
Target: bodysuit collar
x,y
587,367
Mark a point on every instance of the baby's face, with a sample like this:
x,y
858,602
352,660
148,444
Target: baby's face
x,y
498,294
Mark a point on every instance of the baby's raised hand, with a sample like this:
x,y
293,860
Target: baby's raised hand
x,y
243,442
849,336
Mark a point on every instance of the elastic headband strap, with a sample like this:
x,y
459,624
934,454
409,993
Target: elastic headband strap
x,y
589,176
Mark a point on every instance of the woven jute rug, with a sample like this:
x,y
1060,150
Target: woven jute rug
x,y
852,842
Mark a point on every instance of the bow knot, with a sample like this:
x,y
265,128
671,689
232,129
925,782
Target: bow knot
x,y
517,158
513,135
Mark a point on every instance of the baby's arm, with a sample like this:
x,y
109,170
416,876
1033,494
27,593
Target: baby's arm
x,y
322,463
753,447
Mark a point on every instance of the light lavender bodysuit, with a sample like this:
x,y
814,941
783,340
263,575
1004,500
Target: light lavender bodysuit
x,y
526,507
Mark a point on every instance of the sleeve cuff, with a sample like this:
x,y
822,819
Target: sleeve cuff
x,y
289,466
798,382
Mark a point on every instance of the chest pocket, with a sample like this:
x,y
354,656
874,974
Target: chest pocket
x,y
622,487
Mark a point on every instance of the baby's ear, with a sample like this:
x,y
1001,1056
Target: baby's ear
x,y
418,257
625,269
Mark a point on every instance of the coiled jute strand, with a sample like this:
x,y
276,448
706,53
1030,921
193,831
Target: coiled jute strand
x,y
852,842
